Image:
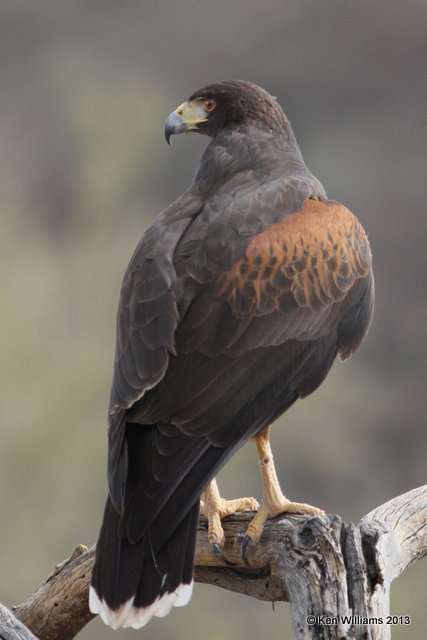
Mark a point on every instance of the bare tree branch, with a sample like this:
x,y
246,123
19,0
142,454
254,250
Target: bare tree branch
x,y
11,628
320,564
404,520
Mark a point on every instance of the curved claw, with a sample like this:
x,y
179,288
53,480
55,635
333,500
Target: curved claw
x,y
244,548
220,554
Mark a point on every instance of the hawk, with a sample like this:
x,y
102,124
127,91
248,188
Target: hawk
x,y
236,302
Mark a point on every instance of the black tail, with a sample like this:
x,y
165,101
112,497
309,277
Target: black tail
x,y
133,582
145,555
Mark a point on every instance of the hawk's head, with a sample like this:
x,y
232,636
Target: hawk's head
x,y
225,104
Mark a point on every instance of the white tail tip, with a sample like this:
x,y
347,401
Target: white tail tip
x,y
129,616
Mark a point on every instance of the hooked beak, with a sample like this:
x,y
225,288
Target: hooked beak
x,y
187,117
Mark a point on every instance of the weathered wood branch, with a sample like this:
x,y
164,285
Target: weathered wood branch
x,y
59,608
321,565
11,628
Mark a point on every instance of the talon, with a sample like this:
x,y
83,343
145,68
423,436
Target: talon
x,y
216,548
244,549
215,508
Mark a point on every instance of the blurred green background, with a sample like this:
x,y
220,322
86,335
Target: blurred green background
x,y
85,88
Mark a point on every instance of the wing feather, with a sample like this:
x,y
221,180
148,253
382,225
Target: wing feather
x,y
147,318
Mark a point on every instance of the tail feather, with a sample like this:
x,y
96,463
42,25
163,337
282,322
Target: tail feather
x,y
145,553
128,587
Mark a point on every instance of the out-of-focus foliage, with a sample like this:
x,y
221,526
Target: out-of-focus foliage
x,y
85,88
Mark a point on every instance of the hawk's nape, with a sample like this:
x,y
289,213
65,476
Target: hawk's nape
x,y
236,302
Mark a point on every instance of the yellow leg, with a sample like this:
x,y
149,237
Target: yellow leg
x,y
215,508
273,502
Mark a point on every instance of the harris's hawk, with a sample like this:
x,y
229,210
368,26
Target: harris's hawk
x,y
236,302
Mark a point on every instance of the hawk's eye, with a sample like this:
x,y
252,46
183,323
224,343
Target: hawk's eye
x,y
210,104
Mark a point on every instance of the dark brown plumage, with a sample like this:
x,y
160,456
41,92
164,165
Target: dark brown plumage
x,y
235,304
